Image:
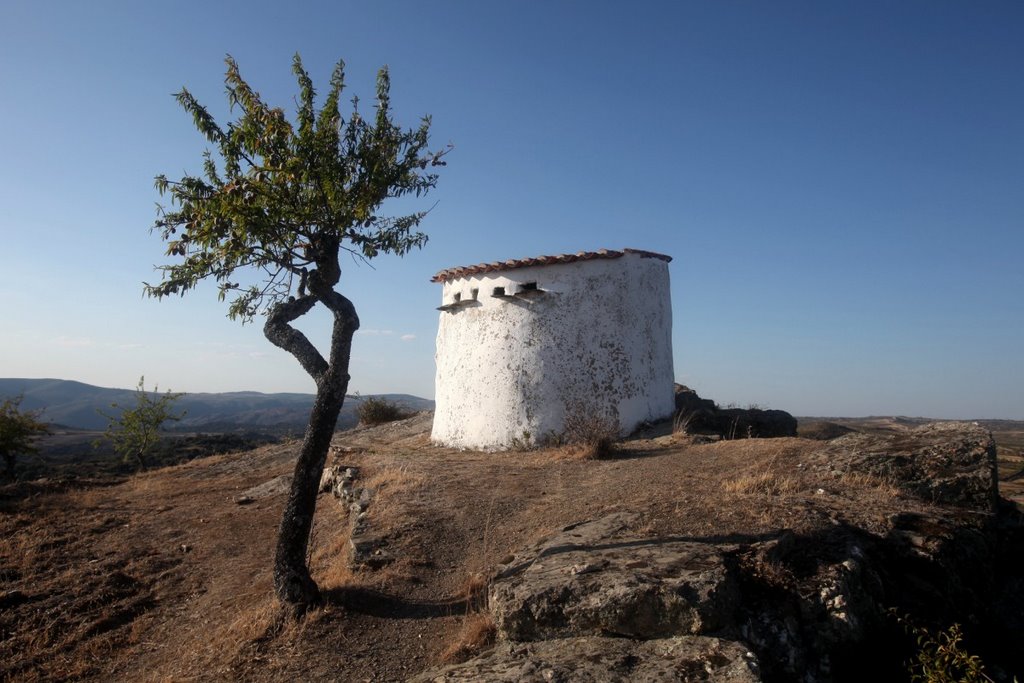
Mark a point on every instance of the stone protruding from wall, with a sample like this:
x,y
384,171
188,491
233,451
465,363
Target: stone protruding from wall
x,y
521,347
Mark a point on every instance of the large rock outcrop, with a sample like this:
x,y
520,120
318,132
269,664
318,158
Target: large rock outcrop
x,y
595,578
700,415
595,602
949,463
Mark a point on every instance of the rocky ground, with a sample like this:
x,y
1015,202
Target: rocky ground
x,y
673,559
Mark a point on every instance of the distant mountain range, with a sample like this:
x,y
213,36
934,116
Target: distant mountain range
x,y
74,404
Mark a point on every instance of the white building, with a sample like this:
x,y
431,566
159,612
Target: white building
x,y
521,344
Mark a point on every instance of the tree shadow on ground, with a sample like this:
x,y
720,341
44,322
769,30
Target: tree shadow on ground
x,y
374,603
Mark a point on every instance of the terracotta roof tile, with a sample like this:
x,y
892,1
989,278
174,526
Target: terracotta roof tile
x,y
512,264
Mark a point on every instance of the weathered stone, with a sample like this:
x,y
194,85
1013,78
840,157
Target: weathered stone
x,y
327,480
950,463
339,480
595,579
369,551
273,487
607,660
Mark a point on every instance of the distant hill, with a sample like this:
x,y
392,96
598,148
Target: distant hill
x,y
75,404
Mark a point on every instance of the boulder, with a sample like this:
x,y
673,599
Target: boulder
x,y
700,415
949,463
755,423
606,660
594,578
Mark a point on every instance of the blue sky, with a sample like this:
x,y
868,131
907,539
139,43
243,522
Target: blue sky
x,y
840,184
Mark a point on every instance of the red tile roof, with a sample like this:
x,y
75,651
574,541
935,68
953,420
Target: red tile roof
x,y
512,264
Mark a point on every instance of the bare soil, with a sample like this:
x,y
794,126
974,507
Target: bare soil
x,y
162,576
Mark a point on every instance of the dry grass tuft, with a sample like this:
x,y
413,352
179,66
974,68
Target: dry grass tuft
x,y
393,486
578,451
472,585
865,480
258,623
474,591
329,561
478,631
392,483
766,481
681,421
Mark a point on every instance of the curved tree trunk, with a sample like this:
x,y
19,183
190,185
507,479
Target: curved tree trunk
x,y
292,581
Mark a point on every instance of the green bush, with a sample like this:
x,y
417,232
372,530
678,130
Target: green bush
x,y
135,431
941,657
18,432
375,411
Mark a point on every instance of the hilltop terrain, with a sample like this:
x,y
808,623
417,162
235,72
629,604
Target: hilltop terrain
x,y
166,575
212,423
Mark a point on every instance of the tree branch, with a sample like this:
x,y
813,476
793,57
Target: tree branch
x,y
284,336
346,322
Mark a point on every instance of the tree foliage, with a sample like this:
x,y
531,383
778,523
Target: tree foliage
x,y
18,432
278,202
285,197
135,430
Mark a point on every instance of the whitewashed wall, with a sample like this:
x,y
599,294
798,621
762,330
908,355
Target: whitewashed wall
x,y
597,339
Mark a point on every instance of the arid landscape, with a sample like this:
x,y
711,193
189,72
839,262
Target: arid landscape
x,y
165,575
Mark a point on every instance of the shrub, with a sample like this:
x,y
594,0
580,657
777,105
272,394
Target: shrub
x,y
18,432
135,431
941,656
375,411
590,435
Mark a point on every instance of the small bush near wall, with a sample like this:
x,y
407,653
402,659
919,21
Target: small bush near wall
x,y
590,435
375,411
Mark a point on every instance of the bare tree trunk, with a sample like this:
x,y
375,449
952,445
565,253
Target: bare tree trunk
x,y
292,581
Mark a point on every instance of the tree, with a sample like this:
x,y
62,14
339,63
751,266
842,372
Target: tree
x,y
135,431
18,432
280,207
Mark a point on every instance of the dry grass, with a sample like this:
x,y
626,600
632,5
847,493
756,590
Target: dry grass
x,y
255,623
392,485
681,421
394,479
766,481
476,633
329,559
864,480
474,591
595,450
